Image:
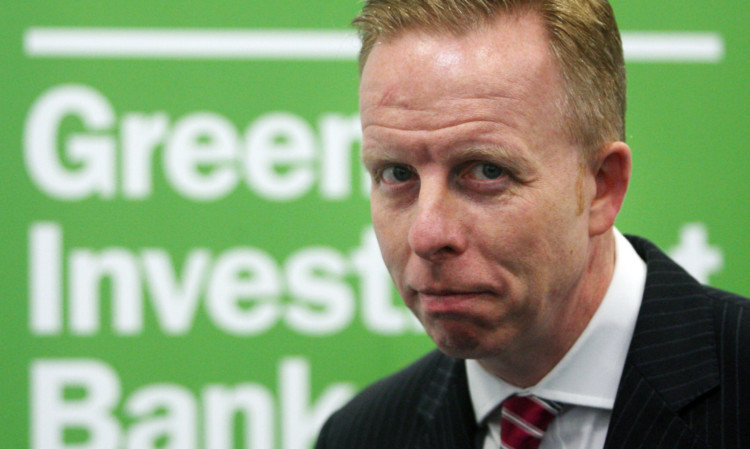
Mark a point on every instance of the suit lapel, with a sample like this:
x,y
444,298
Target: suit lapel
x,y
446,409
672,359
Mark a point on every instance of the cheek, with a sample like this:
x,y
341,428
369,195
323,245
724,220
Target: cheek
x,y
563,231
530,233
391,231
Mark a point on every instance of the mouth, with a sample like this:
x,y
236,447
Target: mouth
x,y
434,301
447,294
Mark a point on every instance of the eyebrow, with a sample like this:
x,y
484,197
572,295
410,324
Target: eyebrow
x,y
379,154
484,151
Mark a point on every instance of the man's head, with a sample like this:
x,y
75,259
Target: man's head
x,y
494,224
583,37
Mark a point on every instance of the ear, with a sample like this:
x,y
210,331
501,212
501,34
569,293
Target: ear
x,y
611,172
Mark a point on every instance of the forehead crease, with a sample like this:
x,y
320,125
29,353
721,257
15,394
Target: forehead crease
x,y
407,95
463,140
426,127
442,113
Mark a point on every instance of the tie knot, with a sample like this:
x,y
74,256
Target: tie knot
x,y
524,420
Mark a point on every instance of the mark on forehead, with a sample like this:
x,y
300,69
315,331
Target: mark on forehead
x,y
387,95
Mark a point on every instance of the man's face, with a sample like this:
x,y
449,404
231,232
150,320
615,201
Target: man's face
x,y
479,201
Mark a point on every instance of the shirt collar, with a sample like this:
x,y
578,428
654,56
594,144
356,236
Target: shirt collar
x,y
589,373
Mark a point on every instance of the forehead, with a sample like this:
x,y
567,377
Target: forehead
x,y
506,61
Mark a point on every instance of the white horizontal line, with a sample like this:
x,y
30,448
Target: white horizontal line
x,y
189,44
301,44
673,47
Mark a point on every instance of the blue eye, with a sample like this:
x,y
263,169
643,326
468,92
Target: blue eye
x,y
487,171
397,173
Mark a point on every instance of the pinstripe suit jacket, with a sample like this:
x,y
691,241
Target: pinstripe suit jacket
x,y
686,381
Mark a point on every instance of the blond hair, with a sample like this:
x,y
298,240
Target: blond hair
x,y
583,39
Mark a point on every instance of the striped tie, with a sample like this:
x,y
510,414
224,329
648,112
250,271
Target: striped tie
x,y
524,421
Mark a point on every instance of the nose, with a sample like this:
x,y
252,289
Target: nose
x,y
436,233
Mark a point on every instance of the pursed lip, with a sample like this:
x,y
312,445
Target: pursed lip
x,y
447,294
448,300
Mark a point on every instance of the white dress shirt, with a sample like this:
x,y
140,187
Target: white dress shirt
x,y
585,380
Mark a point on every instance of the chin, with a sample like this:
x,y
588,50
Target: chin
x,y
459,342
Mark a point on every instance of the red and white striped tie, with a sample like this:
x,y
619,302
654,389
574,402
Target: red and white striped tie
x,y
524,421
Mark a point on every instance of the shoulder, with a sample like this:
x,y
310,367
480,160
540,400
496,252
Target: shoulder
x,y
689,358
731,302
720,317
386,413
723,412
666,273
732,319
666,278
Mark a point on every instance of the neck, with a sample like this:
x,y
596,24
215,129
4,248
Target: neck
x,y
559,328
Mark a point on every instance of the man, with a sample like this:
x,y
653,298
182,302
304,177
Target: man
x,y
494,134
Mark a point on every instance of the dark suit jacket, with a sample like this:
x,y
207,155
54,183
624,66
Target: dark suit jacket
x,y
686,381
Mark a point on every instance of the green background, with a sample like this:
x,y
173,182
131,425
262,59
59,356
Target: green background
x,y
687,126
